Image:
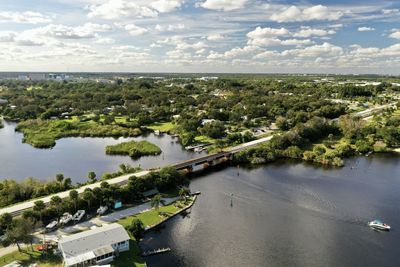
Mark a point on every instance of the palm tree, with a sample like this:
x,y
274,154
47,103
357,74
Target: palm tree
x,y
183,192
123,168
74,196
39,207
56,201
60,178
92,177
156,201
88,196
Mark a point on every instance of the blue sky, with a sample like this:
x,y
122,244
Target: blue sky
x,y
255,36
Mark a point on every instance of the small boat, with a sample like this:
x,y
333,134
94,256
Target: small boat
x,y
102,210
78,215
198,149
51,226
376,224
66,218
196,193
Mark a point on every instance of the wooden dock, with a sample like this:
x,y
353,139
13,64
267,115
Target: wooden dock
x,y
155,251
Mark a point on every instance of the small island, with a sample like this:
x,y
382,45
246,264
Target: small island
x,y
134,149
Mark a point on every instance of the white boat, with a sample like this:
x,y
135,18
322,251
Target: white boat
x,y
376,224
66,218
51,226
198,149
102,210
78,215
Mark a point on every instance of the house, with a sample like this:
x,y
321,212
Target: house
x,y
94,247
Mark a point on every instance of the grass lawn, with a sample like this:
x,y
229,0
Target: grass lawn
x,y
204,139
27,256
162,126
130,258
152,217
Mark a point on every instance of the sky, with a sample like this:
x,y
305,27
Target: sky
x,y
207,36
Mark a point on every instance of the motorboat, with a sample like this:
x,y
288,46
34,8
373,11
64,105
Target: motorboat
x,y
78,215
377,224
66,218
102,210
51,226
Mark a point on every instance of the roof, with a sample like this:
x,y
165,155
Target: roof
x,y
151,192
92,241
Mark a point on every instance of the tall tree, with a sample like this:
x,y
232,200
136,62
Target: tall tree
x,y
92,176
74,196
39,208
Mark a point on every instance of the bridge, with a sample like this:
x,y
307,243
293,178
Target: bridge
x,y
189,165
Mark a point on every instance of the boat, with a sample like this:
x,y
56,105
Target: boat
x,y
66,218
198,149
377,224
102,210
196,193
51,226
78,215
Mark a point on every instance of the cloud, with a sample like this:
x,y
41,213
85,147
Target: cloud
x,y
307,32
135,30
223,5
169,28
164,6
324,50
28,17
267,32
296,14
395,34
117,9
215,37
235,52
366,29
88,30
104,40
7,36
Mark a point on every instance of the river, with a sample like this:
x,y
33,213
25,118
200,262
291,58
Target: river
x,y
287,214
75,157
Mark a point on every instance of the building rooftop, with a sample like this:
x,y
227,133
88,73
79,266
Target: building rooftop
x,y
92,241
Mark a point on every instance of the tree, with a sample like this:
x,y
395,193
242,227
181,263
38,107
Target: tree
x,y
19,232
56,201
60,178
74,196
155,202
5,221
39,208
184,192
123,168
88,197
136,228
92,176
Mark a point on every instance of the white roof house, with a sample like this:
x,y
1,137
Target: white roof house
x,y
97,246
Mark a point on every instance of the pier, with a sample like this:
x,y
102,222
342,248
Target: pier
x,y
155,251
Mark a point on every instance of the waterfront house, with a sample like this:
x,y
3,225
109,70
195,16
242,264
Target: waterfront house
x,y
94,247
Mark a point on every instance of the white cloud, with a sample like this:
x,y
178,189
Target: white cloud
x,y
104,40
88,30
164,6
135,30
169,28
324,50
366,29
28,17
395,34
267,32
297,42
223,5
117,9
235,52
7,36
294,13
215,37
390,11
306,32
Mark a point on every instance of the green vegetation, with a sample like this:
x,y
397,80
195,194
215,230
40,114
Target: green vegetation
x,y
165,127
43,134
134,149
29,256
130,258
155,216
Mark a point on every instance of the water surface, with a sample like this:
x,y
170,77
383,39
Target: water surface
x,y
75,157
288,214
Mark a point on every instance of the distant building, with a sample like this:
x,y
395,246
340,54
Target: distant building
x,y
94,247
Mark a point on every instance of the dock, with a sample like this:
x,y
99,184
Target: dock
x,y
155,251
197,146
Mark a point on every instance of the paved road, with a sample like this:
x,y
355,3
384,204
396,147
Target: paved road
x,y
17,209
